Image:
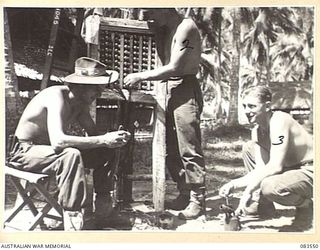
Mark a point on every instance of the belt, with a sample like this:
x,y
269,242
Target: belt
x,y
301,164
178,78
22,141
306,163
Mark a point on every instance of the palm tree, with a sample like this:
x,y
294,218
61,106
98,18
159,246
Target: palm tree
x,y
268,25
292,54
291,57
215,60
235,67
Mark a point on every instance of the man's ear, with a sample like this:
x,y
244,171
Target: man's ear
x,y
268,106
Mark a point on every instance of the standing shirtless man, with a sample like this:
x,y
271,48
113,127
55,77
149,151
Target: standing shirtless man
x,y
279,160
179,46
43,145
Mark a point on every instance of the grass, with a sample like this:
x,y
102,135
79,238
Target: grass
x,y
222,149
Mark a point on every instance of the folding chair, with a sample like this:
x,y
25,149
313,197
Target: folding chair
x,y
35,184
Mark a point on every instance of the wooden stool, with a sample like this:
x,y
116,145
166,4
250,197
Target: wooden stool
x,y
35,184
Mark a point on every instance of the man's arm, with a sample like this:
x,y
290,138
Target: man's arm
x,y
86,122
279,135
56,117
185,42
242,181
261,156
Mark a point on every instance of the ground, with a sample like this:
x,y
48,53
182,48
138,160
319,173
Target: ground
x,y
222,149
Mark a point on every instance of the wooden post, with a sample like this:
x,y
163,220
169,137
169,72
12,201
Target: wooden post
x,y
92,52
77,30
159,149
52,42
120,32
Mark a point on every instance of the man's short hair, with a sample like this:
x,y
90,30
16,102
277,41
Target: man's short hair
x,y
262,92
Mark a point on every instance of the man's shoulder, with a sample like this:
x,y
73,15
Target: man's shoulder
x,y
281,119
188,24
57,89
53,93
281,115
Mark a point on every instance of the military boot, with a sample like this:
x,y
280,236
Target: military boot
x,y
182,200
72,220
196,206
261,208
179,203
303,220
102,208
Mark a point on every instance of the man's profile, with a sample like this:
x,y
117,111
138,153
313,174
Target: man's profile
x,y
43,145
279,161
179,40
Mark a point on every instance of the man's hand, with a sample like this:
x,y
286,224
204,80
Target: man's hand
x,y
244,202
226,189
116,139
132,80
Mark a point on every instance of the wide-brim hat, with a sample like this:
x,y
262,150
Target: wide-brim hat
x,y
91,71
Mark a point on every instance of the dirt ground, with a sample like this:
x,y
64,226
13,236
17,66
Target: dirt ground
x,y
223,163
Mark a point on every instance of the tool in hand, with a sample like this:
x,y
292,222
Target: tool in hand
x,y
116,177
231,220
165,220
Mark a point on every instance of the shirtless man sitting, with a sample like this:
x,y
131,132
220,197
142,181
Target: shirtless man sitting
x,y
43,146
279,160
179,47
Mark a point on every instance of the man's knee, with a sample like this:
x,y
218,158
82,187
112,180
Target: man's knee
x,y
72,151
71,155
248,155
269,187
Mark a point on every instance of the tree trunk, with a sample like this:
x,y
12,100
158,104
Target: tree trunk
x,y
218,88
235,67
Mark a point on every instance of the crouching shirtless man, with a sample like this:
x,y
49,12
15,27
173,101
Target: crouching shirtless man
x,y
279,160
43,146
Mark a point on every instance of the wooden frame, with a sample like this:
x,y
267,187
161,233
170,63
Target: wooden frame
x,y
132,49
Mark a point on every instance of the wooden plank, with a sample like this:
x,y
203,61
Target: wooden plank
x,y
121,59
31,177
123,25
131,54
138,177
140,53
127,164
159,149
50,50
113,49
93,53
149,52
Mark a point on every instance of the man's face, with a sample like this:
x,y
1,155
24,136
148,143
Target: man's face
x,y
254,109
155,15
91,92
